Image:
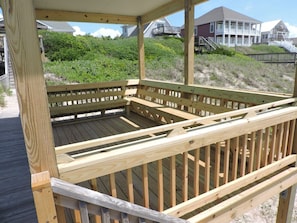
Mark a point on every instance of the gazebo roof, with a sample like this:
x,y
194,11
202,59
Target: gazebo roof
x,y
107,11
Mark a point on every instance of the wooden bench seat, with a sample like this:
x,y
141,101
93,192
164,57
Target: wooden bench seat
x,y
87,107
160,113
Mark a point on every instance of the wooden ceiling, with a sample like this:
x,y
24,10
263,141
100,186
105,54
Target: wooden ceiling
x,y
108,11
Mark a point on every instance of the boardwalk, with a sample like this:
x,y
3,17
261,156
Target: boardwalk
x,y
16,200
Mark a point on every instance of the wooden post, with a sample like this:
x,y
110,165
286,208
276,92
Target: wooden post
x,y
189,43
295,85
141,55
20,26
43,197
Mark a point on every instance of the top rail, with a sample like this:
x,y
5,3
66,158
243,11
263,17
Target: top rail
x,y
100,200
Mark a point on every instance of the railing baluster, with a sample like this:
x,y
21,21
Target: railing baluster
x,y
217,164
105,216
173,181
291,137
196,172
160,186
285,138
124,218
252,152
235,149
243,144
226,160
185,175
207,169
130,185
83,212
279,140
145,185
259,142
265,153
272,145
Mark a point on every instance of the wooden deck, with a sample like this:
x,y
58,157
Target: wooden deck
x,y
16,200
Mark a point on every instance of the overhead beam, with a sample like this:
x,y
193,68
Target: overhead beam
x,y
59,15
167,9
23,43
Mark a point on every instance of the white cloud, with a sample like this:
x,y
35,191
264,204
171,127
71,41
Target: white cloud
x,y
106,32
292,29
78,31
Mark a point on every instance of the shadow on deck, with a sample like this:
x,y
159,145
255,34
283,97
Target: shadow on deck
x,y
16,200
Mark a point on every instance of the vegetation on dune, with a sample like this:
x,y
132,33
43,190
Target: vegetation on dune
x,y
86,59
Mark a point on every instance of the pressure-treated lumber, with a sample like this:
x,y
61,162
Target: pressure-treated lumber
x,y
141,55
43,197
20,26
217,193
189,43
134,155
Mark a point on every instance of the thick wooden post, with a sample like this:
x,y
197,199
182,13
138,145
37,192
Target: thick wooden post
x,y
189,43
20,26
141,55
287,197
43,197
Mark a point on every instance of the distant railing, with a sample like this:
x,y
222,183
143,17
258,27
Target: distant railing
x,y
166,30
274,57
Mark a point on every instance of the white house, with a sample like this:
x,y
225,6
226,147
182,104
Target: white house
x,y
274,31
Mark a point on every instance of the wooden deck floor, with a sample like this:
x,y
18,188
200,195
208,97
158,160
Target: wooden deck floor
x,y
16,200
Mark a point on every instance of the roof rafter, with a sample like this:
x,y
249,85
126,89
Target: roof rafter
x,y
58,15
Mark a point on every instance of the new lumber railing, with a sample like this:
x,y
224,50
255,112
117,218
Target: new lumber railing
x,y
174,163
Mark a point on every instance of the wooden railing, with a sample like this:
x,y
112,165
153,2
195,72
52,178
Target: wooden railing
x,y
72,100
75,99
174,163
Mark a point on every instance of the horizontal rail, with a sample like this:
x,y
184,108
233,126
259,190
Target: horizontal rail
x,y
170,127
69,195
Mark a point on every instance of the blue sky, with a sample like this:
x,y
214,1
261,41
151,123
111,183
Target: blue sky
x,y
262,10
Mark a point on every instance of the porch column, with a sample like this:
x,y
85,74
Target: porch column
x,y
189,43
141,56
20,26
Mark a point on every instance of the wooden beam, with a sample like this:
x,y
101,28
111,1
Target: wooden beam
x,y
169,8
59,15
189,43
295,85
20,25
43,197
141,55
286,205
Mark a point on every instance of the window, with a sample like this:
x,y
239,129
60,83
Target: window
x,y
211,28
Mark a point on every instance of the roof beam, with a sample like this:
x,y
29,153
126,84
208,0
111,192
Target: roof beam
x,y
59,15
169,8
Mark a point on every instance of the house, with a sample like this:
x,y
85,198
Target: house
x,y
228,27
159,27
274,31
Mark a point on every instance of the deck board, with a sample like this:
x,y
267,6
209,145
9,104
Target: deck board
x,y
16,199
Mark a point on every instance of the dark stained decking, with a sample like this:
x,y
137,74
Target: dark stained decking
x,y
16,199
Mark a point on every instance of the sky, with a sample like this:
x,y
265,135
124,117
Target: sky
x,y
262,10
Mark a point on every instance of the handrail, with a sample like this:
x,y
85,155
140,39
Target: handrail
x,y
106,203
170,127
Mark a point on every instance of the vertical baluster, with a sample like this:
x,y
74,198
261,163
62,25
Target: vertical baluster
x,y
279,140
124,218
243,154
217,165
291,136
196,171
207,168
272,145
226,161
252,152
265,153
285,139
145,186
113,188
160,186
130,185
105,216
94,186
259,142
235,148
83,212
185,176
173,181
